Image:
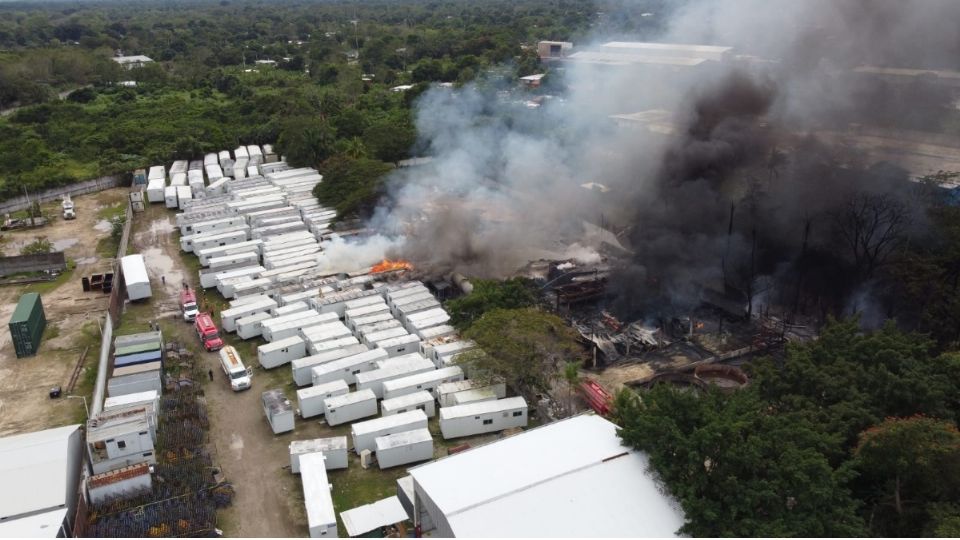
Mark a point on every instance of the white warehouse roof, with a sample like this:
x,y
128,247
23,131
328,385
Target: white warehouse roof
x,y
33,471
369,517
45,525
571,478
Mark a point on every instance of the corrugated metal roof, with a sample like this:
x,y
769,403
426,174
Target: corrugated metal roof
x,y
370,517
40,461
24,307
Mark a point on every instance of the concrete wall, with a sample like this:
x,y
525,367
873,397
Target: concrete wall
x,y
33,263
88,186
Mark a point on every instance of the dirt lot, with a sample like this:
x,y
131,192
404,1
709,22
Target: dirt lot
x,y
72,319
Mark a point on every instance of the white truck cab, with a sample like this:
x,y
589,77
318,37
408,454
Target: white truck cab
x,y
238,374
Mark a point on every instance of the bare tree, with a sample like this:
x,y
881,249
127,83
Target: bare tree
x,y
870,226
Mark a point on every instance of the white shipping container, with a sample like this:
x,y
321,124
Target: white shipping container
x,y
443,330
422,400
184,194
321,516
376,336
217,186
482,417
157,172
401,345
247,258
201,242
178,179
249,326
334,449
273,331
445,392
278,410
423,381
135,277
211,225
364,434
281,352
229,317
366,320
170,196
374,379
475,395
303,367
295,307
404,448
210,278
347,367
204,255
349,407
310,400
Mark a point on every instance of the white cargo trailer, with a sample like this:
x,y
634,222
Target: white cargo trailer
x,y
252,170
475,395
240,169
155,190
374,379
274,331
279,411
310,399
361,302
135,277
425,319
212,225
157,172
229,317
281,352
399,346
346,367
483,417
294,307
443,330
249,326
404,448
422,400
350,315
184,194
438,352
404,311
210,159
349,407
377,335
247,258
364,330
210,278
240,152
366,320
326,332
214,172
303,367
217,186
336,302
423,381
187,242
364,434
204,255
321,516
445,392
334,451
178,179
317,348
170,196
255,154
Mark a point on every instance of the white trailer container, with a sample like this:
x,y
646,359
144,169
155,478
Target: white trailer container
x,y
135,277
204,255
230,223
240,152
374,308
317,348
336,302
446,350
364,434
303,367
404,448
349,407
427,381
279,411
178,179
326,332
321,516
366,320
446,392
374,379
214,172
334,449
210,278
170,196
310,400
201,242
255,154
404,311
422,400
483,417
274,331
138,382
361,302
249,326
187,242
383,334
405,290
210,159
281,352
474,396
157,172
273,230
240,168
155,190
380,326
236,260
149,400
184,194
229,317
425,319
294,307
443,330
217,186
346,367
252,170
399,346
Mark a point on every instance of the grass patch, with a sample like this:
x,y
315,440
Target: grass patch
x,y
356,486
90,338
52,331
48,286
107,213
107,247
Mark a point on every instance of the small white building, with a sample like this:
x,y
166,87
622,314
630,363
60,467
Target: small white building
x,y
251,326
418,400
400,345
374,379
278,410
445,392
364,434
404,448
125,482
427,381
281,352
475,395
321,517
348,367
372,517
310,400
572,478
483,417
119,438
349,407
334,449
303,367
149,400
131,62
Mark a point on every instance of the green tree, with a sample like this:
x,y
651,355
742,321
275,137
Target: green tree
x,y
907,465
489,294
351,185
526,348
39,246
306,141
390,140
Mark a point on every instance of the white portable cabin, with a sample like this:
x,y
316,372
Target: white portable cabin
x,y
216,239
475,395
216,186
446,350
252,170
303,367
214,172
149,400
155,190
293,307
375,305
204,255
281,352
135,277
157,172
427,381
239,169
184,194
422,400
349,407
399,346
273,230
336,302
170,196
443,330
210,159
366,320
279,411
197,188
179,166
248,258
310,399
178,179
446,393
321,516
346,367
404,448
229,317
255,154
291,325
240,152
210,278
364,434
361,302
228,223
374,379
425,319
310,258
404,311
326,332
414,288
386,330
334,449
187,241
483,417
249,326
330,344
226,162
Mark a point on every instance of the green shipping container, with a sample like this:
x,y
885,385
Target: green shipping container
x,y
27,325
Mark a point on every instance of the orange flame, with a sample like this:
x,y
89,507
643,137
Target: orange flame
x,y
387,265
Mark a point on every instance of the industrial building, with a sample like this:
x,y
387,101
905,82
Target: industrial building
x,y
571,478
39,482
